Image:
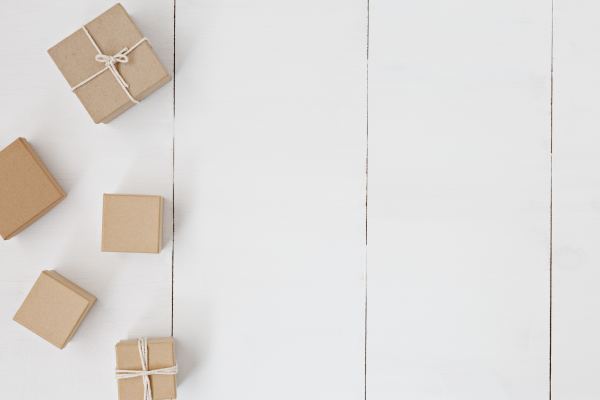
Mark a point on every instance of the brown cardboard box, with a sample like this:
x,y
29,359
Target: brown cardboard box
x,y
102,96
132,223
54,308
27,189
161,354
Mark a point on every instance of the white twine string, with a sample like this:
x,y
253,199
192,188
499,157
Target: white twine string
x,y
144,373
110,63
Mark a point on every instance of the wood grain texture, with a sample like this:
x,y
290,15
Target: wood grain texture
x,y
459,190
270,191
132,154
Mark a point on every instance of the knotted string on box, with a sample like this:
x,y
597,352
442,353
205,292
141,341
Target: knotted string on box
x,y
110,63
145,373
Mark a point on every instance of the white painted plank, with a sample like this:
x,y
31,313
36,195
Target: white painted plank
x,y
131,154
269,192
576,193
458,230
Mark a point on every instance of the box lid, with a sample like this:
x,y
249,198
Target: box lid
x,y
161,354
112,31
54,308
27,189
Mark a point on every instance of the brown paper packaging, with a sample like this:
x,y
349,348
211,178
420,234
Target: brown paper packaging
x,y
103,97
54,308
161,354
27,189
132,223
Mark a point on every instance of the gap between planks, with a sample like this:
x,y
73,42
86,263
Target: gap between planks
x,y
173,174
366,199
550,272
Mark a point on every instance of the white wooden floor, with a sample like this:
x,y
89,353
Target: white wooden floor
x,y
370,199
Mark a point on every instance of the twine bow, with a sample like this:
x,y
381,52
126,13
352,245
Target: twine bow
x,y
110,63
144,372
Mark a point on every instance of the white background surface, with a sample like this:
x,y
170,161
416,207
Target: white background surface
x,y
460,265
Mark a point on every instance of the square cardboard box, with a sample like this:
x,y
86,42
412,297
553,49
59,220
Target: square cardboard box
x,y
95,58
27,189
54,308
132,223
161,354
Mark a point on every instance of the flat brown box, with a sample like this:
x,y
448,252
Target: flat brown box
x,y
103,97
54,308
132,223
161,354
27,189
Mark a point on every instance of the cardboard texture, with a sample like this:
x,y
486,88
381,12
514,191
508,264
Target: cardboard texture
x,y
161,354
103,97
54,308
27,189
132,223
